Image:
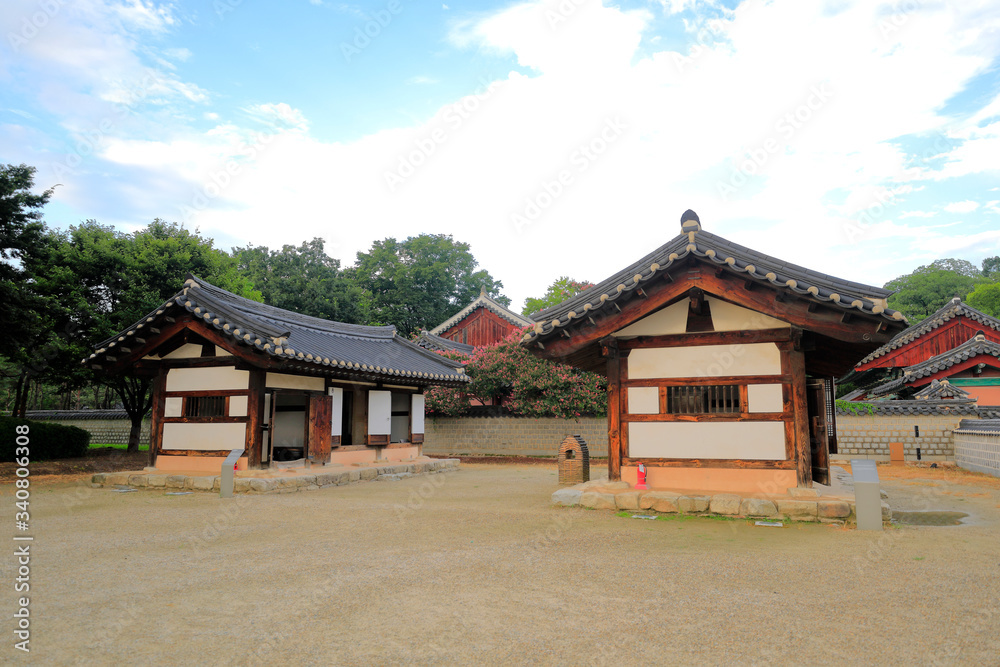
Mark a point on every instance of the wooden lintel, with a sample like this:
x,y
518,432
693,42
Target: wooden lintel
x,y
709,338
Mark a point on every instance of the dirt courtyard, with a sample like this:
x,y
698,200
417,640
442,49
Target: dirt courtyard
x,y
476,567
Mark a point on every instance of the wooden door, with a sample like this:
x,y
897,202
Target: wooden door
x,y
318,436
819,443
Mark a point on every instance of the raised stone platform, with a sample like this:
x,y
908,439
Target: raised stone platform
x,y
274,481
833,504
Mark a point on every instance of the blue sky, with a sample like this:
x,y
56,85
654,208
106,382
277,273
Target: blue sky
x,y
557,138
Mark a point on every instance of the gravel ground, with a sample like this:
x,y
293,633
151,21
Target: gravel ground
x,y
475,567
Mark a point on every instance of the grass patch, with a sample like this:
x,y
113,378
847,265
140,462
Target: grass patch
x,y
106,445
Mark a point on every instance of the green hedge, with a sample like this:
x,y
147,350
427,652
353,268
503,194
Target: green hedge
x,y
46,441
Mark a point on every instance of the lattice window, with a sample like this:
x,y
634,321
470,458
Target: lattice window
x,y
205,406
709,399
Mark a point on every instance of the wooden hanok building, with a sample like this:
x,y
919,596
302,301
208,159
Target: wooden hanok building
x,y
482,322
230,373
720,361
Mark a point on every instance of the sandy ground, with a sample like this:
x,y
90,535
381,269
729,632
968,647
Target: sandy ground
x,y
475,567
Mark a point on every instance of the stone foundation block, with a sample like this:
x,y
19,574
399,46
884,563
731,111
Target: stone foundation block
x,y
353,476
833,509
262,485
157,480
725,503
598,501
176,481
370,473
659,501
886,511
99,478
801,492
628,500
202,483
117,479
138,480
798,509
691,504
758,507
567,497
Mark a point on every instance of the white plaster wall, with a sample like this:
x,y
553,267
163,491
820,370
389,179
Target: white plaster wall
x,y
186,351
669,320
643,400
204,437
730,317
417,412
707,440
765,398
286,381
199,379
705,361
237,406
173,406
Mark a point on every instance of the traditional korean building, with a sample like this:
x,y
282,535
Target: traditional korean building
x,y
482,322
720,361
957,343
230,373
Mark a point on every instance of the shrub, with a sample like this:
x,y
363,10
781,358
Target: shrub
x,y
46,441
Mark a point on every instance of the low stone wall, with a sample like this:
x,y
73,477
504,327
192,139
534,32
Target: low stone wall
x,y
105,426
868,437
511,436
282,484
977,447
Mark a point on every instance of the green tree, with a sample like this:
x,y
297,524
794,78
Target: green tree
x,y
526,385
986,297
991,267
561,289
21,228
420,282
303,279
930,287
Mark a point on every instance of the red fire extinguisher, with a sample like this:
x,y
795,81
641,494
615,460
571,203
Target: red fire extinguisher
x,y
642,477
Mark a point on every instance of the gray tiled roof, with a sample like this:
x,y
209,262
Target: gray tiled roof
x,y
979,425
952,406
954,308
284,335
989,411
46,415
483,301
429,341
727,255
940,389
975,346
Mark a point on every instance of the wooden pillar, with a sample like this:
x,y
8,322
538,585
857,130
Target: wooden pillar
x,y
318,444
610,352
255,418
800,411
156,420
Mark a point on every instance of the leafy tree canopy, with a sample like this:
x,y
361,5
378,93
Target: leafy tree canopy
x,y
560,290
986,297
422,281
21,228
930,287
991,267
303,279
525,384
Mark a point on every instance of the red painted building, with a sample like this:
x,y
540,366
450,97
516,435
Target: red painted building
x,y
957,343
482,322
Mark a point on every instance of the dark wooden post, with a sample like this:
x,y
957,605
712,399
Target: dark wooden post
x,y
156,419
610,351
800,411
318,446
255,418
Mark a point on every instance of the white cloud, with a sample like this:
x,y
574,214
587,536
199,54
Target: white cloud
x,y
966,206
802,106
420,80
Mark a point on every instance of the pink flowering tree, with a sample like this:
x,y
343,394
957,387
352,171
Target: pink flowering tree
x,y
508,374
